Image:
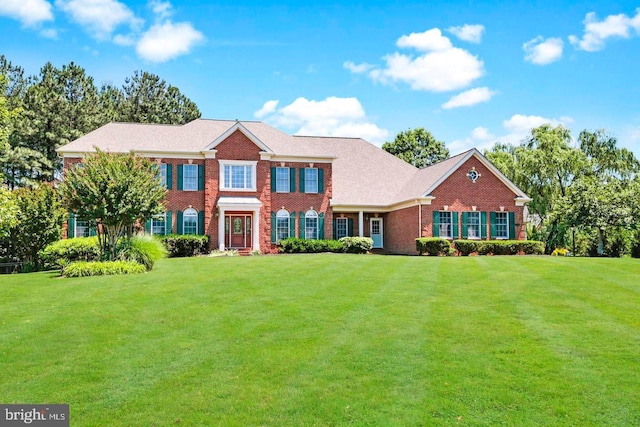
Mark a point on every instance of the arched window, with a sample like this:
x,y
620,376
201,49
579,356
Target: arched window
x,y
282,225
311,224
190,221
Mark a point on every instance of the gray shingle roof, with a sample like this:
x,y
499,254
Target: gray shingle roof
x,y
363,174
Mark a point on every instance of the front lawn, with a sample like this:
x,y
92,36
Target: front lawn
x,y
330,340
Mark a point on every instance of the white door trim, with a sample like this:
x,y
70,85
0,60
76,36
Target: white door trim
x,y
371,221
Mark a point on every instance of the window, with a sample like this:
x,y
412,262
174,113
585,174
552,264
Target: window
x,y
282,180
473,225
190,177
502,225
342,229
82,228
237,175
158,225
311,180
162,173
190,221
311,225
445,225
282,225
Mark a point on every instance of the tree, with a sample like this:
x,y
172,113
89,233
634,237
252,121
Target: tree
x,y
8,212
23,167
113,192
418,147
148,99
40,220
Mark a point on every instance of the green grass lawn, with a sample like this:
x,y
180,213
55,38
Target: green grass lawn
x,y
327,340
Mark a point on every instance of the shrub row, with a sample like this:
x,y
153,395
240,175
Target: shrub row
x,y
499,247
356,245
59,254
179,245
296,245
101,268
433,246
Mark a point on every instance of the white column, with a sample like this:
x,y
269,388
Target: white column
x,y
221,229
361,223
256,230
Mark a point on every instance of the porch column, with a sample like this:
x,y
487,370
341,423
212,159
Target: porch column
x,y
361,223
221,228
256,229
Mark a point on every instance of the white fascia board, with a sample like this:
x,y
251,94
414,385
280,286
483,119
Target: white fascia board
x,y
302,159
239,126
155,154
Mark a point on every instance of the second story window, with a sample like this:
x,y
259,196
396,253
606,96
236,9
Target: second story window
x,y
238,176
282,180
190,177
311,180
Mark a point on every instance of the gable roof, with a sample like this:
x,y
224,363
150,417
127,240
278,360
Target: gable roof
x,y
363,174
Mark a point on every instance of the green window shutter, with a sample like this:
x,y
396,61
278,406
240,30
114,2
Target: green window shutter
x,y
435,231
302,225
147,226
455,225
92,231
292,180
321,226
302,180
201,178
71,229
169,176
292,224
201,222
273,227
168,223
465,226
179,177
273,179
512,225
483,225
350,227
492,226
179,222
335,226
320,180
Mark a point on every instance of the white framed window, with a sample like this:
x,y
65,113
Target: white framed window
x,y
282,180
162,173
445,227
473,225
81,228
158,225
190,177
190,221
342,227
502,225
311,224
282,225
238,175
311,180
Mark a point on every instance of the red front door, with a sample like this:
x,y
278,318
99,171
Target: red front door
x,y
238,233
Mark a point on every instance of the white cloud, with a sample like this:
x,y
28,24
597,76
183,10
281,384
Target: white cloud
x,y
162,9
29,12
469,98
99,17
166,41
480,138
332,116
521,124
49,33
430,40
124,40
468,33
268,108
542,52
357,68
597,32
441,68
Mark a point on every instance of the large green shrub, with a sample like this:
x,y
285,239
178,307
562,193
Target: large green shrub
x,y
185,245
143,249
466,247
60,253
357,245
433,246
102,268
295,245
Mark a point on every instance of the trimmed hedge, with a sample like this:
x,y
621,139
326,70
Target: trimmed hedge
x,y
433,246
295,245
60,253
499,247
102,268
357,245
185,245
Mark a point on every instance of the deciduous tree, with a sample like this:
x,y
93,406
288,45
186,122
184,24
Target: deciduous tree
x,y
418,147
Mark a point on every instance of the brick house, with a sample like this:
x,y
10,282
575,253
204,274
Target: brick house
x,y
247,185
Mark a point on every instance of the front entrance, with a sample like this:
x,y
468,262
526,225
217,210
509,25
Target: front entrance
x,y
237,231
376,232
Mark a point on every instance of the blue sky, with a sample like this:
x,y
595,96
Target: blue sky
x,y
472,73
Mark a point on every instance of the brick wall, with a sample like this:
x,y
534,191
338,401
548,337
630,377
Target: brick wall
x,y
401,230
